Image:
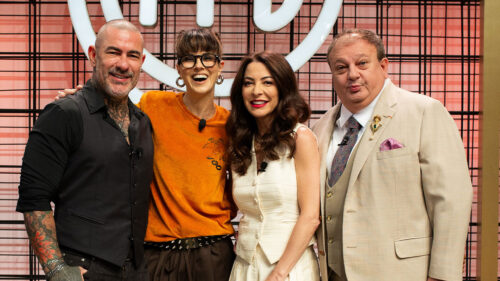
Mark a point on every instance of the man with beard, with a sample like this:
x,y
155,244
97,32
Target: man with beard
x,y
91,155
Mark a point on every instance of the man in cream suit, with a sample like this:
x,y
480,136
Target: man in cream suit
x,y
399,207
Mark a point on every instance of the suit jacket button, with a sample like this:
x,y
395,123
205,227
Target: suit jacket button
x,y
330,241
329,218
329,194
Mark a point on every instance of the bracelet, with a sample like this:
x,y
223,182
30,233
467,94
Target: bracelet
x,y
53,261
57,268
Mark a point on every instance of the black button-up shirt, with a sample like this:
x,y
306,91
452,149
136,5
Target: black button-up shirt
x,y
78,158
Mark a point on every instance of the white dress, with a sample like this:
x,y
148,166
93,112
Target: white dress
x,y
268,202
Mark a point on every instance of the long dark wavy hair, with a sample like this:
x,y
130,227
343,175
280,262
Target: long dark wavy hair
x,y
241,126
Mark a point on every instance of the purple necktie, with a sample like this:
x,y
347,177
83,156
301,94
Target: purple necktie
x,y
344,150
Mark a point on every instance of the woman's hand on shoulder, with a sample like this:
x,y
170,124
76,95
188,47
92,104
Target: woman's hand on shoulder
x,y
65,92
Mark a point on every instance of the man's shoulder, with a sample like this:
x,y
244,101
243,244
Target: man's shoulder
x,y
60,117
414,100
325,119
69,102
66,106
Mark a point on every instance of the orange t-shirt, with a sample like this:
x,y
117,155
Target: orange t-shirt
x,y
188,188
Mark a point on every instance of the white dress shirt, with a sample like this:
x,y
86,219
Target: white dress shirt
x,y
363,117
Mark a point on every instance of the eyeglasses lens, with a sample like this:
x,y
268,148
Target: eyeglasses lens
x,y
207,60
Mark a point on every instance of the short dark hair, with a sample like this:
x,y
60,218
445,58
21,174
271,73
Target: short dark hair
x,y
241,126
365,34
198,39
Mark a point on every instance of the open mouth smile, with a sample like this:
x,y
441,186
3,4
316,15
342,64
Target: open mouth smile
x,y
258,103
200,77
120,77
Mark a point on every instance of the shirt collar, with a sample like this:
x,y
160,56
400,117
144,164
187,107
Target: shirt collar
x,y
95,101
363,116
93,97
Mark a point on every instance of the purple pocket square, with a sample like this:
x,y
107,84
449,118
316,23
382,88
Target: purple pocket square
x,y
390,144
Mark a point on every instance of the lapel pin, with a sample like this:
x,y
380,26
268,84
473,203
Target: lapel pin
x,y
375,124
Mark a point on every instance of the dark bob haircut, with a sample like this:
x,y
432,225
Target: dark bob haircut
x,y
198,39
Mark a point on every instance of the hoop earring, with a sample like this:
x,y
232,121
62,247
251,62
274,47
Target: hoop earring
x,y
179,83
220,79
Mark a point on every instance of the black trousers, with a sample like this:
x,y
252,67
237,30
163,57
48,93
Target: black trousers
x,y
99,270
208,263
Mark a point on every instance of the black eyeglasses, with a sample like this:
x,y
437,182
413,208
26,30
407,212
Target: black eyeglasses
x,y
207,60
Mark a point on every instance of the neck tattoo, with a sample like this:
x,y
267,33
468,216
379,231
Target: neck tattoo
x,y
120,114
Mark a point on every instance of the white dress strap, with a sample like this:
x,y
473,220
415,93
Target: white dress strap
x,y
297,126
302,125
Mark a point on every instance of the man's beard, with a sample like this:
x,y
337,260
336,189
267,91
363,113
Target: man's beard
x,y
108,88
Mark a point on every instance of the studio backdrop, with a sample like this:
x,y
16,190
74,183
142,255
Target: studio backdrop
x,y
433,48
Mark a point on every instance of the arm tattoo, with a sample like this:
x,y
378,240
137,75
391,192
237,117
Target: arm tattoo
x,y
41,229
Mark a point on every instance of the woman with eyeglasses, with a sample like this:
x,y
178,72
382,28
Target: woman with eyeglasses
x,y
189,227
189,231
275,167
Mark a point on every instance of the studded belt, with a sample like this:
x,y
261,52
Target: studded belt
x,y
188,243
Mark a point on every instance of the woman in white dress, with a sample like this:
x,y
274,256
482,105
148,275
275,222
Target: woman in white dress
x,y
275,169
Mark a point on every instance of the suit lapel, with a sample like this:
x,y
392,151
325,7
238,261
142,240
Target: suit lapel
x,y
385,109
324,132
327,130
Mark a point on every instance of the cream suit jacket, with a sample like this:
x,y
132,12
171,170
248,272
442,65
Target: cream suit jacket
x,y
406,210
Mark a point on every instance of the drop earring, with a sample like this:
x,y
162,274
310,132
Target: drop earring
x,y
220,79
179,82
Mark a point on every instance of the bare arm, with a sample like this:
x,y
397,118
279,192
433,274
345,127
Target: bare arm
x,y
307,170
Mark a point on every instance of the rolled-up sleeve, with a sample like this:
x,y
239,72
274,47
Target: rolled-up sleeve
x,y
57,132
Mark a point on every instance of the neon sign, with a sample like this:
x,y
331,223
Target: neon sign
x,y
263,18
